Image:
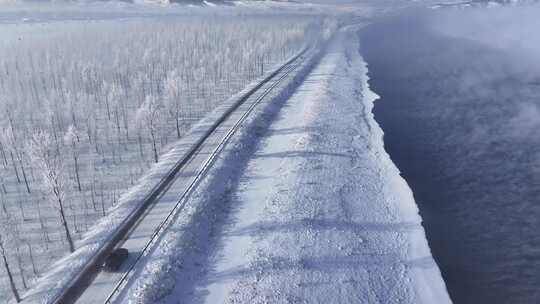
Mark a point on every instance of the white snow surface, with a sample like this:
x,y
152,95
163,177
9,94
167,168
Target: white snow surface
x,y
304,206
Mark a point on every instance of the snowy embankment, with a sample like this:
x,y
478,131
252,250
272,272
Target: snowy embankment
x,y
303,206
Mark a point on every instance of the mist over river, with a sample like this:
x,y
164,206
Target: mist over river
x,y
460,108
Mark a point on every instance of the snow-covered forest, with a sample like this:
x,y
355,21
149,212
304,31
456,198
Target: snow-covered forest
x,y
87,107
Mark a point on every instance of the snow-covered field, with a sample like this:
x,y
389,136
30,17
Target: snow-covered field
x,y
88,105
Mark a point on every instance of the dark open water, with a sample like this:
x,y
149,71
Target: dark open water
x,y
460,122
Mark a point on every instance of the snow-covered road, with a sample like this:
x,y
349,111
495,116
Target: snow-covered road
x,y
310,209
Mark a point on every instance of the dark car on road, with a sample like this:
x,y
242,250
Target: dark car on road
x,y
115,259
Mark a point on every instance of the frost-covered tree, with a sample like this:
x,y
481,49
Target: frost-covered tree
x,y
148,117
17,154
50,165
6,238
72,139
173,97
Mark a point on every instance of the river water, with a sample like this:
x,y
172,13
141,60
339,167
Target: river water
x,y
461,121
